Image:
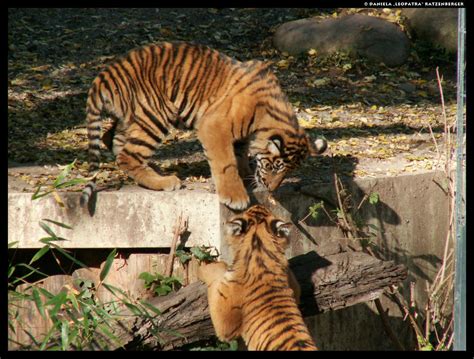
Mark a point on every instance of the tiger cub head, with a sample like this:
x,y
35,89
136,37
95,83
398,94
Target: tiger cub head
x,y
258,230
275,153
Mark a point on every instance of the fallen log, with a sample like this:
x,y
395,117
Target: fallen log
x,y
330,283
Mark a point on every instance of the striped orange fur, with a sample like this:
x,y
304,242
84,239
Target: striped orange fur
x,y
237,109
255,296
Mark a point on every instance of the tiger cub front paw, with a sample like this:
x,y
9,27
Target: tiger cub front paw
x,y
209,272
235,198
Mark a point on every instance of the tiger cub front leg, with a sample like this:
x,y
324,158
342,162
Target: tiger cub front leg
x,y
133,159
223,299
224,168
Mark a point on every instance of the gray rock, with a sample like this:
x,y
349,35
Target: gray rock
x,y
361,35
437,26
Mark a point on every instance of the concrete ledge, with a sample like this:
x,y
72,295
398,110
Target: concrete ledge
x,y
131,218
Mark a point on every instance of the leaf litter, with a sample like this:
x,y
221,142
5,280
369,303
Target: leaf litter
x,y
376,119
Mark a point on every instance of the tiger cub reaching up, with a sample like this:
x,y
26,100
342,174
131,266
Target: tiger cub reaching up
x,y
253,298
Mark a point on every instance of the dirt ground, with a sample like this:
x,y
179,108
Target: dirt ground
x,y
376,119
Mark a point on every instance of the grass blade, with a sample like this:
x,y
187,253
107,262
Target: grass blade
x,y
151,307
48,230
64,335
39,254
64,173
67,255
58,223
108,264
38,302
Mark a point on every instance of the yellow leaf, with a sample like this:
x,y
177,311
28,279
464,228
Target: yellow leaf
x,y
321,82
58,198
40,68
282,64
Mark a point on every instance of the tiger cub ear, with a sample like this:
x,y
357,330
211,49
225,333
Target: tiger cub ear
x,y
317,147
274,146
236,227
281,229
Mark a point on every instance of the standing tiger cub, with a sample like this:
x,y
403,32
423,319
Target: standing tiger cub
x,y
253,298
237,109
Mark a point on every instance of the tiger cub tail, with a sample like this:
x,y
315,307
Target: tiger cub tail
x,y
94,110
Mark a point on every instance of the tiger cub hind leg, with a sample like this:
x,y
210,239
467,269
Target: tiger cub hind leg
x,y
224,300
114,136
133,159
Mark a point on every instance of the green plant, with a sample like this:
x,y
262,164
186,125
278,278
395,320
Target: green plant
x,y
59,183
159,284
78,319
203,253
213,345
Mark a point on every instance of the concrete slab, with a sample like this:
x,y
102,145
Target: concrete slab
x,y
130,218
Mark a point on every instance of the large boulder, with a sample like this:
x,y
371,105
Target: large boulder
x,y
361,35
436,26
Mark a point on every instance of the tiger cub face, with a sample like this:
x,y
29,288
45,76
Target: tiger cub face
x,y
258,229
276,154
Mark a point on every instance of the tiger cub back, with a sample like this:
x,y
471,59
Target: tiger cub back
x,y
254,297
236,108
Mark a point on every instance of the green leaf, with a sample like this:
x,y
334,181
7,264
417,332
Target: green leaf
x,y
48,230
147,277
112,289
73,300
39,254
37,195
46,293
67,255
58,300
33,270
233,345
46,338
134,309
38,302
72,182
11,244
10,271
64,335
183,256
64,173
374,198
151,307
163,289
202,253
314,210
48,240
58,223
108,264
